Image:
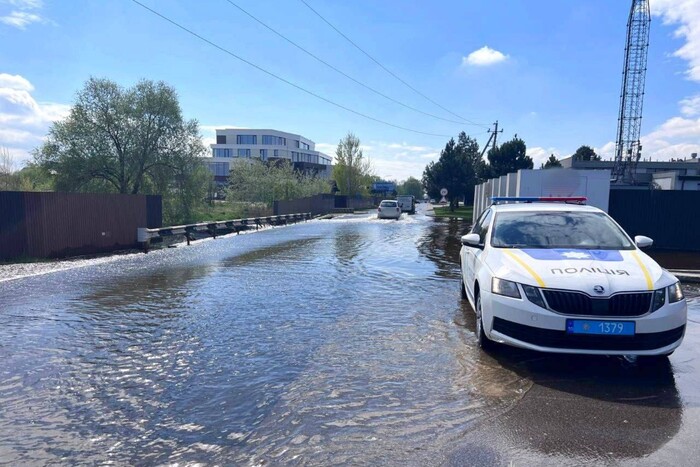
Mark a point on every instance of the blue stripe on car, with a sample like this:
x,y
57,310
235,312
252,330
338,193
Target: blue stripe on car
x,y
563,254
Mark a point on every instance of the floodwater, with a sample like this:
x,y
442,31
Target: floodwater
x,y
340,341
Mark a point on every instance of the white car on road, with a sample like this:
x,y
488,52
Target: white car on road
x,y
389,209
564,277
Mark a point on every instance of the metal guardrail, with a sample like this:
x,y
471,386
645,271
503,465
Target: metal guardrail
x,y
145,235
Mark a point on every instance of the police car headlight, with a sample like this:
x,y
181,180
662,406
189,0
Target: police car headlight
x,y
675,294
659,299
504,287
533,294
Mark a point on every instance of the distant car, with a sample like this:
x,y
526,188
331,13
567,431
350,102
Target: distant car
x,y
388,209
559,277
432,201
407,203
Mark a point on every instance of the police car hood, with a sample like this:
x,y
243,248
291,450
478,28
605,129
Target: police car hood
x,y
579,269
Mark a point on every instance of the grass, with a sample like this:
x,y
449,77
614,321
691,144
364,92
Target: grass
x,y
464,212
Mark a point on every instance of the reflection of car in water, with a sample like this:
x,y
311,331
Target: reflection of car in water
x,y
388,209
559,277
589,409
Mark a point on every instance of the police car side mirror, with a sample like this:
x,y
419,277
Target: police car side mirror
x,y
642,241
471,240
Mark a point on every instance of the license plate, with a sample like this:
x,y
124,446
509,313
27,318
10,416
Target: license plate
x,y
608,328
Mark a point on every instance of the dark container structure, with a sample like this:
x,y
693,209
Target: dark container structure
x,y
323,204
670,217
54,225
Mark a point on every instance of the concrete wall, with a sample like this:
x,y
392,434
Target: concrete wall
x,y
593,184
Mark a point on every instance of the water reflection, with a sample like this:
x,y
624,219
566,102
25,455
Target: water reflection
x,y
441,244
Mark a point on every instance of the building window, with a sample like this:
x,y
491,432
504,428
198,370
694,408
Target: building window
x,y
305,146
220,139
276,152
219,169
246,139
263,154
274,140
244,153
219,152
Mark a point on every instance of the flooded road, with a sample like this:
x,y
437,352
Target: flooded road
x,y
340,341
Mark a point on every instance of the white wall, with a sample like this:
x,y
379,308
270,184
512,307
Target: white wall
x,y
593,184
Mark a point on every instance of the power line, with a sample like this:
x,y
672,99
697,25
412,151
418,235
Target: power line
x,y
387,70
228,52
461,122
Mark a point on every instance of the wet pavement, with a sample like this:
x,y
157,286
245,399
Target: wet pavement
x,y
339,341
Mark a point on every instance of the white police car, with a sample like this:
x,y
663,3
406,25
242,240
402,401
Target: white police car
x,y
554,275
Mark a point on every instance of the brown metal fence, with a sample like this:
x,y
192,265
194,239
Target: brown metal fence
x,y
50,225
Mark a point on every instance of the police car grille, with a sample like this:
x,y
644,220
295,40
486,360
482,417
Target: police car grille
x,y
577,303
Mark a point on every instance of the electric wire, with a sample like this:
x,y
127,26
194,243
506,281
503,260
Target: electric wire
x,y
387,70
284,80
332,67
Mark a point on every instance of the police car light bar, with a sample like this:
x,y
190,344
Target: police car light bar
x,y
539,199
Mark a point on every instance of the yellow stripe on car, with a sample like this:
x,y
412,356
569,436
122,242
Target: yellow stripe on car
x,y
526,267
647,276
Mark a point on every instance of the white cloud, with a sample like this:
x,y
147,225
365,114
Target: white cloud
x,y
24,14
686,15
484,56
13,136
20,19
26,4
676,138
540,155
24,121
690,106
606,151
209,132
15,82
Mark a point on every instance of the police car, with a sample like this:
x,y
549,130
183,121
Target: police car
x,y
555,275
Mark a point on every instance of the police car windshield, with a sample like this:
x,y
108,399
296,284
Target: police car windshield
x,y
589,230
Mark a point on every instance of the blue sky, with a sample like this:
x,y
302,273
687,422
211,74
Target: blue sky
x,y
549,71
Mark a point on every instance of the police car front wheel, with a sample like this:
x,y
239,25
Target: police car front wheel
x,y
484,342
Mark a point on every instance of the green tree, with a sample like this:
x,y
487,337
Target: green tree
x,y
33,177
411,186
352,172
260,182
9,181
585,153
453,171
128,140
470,151
508,158
551,163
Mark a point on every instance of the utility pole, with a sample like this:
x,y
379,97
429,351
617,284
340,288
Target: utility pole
x,y
495,133
493,136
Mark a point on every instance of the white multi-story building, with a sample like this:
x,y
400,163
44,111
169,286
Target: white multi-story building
x,y
266,145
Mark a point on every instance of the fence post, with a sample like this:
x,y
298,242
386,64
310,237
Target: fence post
x,y
143,239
